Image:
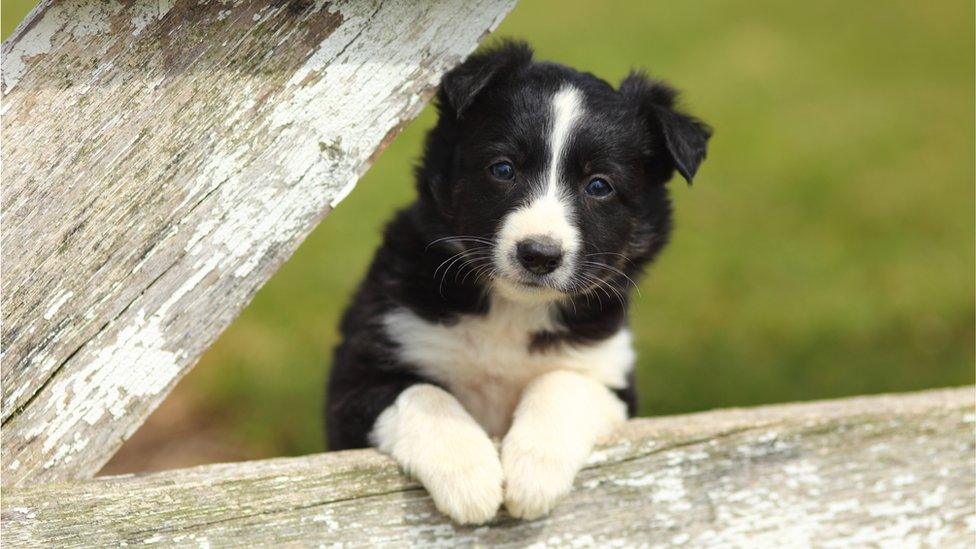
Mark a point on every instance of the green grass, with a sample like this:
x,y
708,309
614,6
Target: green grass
x,y
826,249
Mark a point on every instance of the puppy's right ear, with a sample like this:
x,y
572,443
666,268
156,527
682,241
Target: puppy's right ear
x,y
463,84
685,137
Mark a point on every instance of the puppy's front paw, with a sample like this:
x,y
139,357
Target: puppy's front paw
x,y
436,441
467,487
535,478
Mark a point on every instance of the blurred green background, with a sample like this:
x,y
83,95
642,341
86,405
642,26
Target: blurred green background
x,y
826,249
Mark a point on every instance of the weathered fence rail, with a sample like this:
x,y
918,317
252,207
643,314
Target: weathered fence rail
x,y
863,471
160,161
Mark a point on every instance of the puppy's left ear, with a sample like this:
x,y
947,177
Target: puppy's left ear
x,y
684,136
463,84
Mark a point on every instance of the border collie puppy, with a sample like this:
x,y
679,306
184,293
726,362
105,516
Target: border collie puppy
x,y
496,306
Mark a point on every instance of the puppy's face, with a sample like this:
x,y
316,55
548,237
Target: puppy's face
x,y
558,176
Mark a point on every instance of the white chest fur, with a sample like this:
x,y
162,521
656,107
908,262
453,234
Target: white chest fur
x,y
485,360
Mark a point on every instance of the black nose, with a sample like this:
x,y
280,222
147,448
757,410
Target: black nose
x,y
539,255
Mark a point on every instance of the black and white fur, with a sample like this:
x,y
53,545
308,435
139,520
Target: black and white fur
x,y
459,335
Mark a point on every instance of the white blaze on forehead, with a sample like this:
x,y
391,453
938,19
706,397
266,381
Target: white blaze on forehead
x,y
567,107
549,212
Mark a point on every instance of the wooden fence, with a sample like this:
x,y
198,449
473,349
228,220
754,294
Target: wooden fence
x,y
161,159
887,470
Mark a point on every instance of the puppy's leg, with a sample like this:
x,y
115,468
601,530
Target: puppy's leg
x,y
559,418
435,440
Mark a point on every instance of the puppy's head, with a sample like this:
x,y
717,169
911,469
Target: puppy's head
x,y
552,181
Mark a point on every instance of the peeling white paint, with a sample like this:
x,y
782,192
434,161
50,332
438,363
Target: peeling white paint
x,y
129,370
75,19
16,394
56,304
146,12
670,489
328,518
800,473
344,192
615,451
637,481
26,512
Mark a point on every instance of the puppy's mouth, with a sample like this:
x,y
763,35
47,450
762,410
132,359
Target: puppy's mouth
x,y
530,285
526,290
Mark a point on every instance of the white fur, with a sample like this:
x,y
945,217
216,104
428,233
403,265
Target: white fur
x,y
431,436
559,399
485,360
567,108
549,213
550,406
559,418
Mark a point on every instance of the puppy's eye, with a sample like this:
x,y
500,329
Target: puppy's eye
x,y
502,171
599,187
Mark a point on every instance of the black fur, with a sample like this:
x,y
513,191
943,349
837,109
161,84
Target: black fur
x,y
496,105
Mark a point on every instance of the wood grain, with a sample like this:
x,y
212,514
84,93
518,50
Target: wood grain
x,y
161,159
894,470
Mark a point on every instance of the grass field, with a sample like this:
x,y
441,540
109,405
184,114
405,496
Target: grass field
x,y
826,248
